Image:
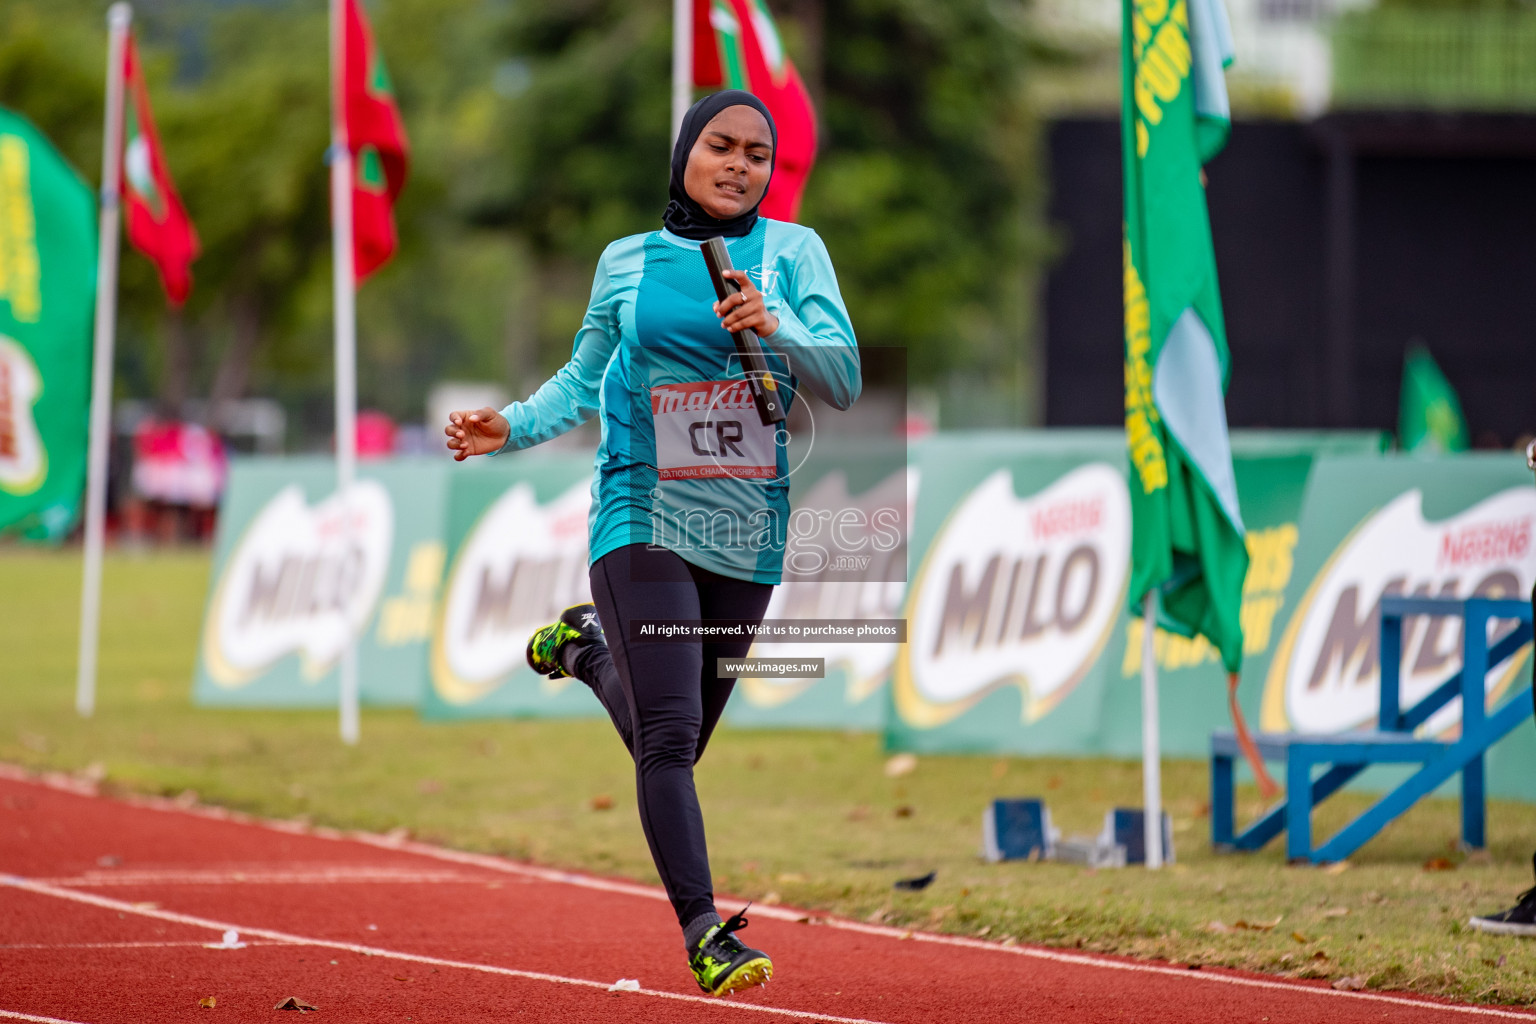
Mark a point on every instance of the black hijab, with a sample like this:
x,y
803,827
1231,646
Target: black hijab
x,y
684,216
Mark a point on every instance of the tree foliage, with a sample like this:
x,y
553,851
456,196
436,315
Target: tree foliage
x,y
926,189
929,188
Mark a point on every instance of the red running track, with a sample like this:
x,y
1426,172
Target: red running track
x,y
109,910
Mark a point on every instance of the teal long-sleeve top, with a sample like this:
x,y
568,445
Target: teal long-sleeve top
x,y
684,461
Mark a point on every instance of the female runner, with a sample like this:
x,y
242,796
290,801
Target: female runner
x,y
690,490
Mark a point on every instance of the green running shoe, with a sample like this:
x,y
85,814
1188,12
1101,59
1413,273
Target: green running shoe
x,y
722,965
577,623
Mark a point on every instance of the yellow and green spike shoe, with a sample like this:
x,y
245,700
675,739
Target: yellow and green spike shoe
x,y
722,965
577,623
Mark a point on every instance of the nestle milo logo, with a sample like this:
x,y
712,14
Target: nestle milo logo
x,y
1042,593
300,580
1016,591
1327,670
520,566
299,586
514,593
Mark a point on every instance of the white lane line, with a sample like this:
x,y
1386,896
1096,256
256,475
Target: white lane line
x,y
324,876
124,945
883,931
483,860
392,842
18,1015
28,885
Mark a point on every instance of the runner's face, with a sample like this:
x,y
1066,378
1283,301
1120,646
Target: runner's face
x,y
729,165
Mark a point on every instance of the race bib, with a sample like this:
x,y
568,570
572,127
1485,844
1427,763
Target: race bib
x,y
710,428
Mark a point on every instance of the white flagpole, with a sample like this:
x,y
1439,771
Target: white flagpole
x,y
345,291
1151,751
118,20
682,62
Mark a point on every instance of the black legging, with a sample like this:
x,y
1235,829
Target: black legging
x,y
665,698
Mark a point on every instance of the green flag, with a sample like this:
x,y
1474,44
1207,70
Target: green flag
x,y
1187,532
47,302
1429,416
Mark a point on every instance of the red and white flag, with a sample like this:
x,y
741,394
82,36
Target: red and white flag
x,y
158,225
375,134
737,46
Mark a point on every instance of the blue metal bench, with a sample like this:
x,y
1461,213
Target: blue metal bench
x,y
1347,754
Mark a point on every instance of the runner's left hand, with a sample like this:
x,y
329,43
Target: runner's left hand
x,y
745,309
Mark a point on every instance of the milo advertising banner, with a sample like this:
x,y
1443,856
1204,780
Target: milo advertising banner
x,y
846,558
1457,526
299,570
1021,548
1019,635
47,302
517,528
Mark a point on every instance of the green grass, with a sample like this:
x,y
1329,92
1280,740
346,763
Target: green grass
x,y
806,818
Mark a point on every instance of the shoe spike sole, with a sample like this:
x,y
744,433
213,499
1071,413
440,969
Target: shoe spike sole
x,y
755,972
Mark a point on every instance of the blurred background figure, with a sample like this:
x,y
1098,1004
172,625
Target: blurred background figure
x,y
376,435
179,470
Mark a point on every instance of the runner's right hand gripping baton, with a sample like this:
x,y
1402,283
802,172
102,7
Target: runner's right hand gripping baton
x,y
765,392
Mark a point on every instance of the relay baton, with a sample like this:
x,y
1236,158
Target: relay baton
x,y
765,391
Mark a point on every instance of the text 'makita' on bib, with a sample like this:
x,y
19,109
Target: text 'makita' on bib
x,y
710,428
